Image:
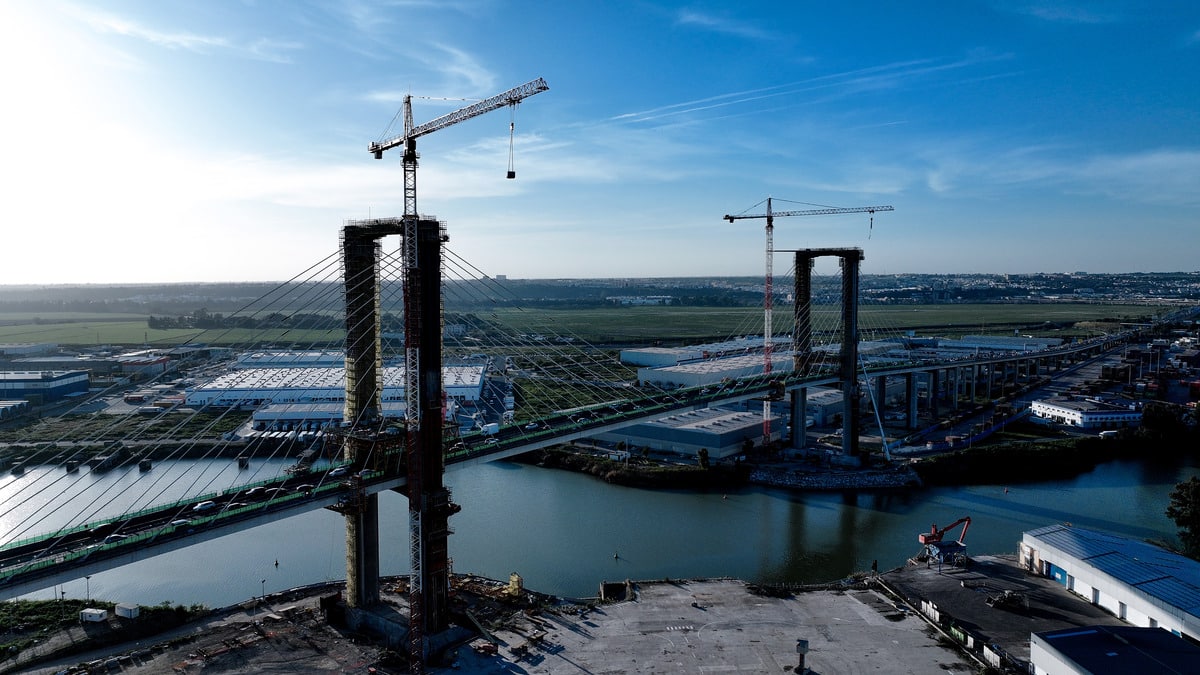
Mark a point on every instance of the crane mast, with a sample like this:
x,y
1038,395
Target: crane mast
x,y
419,312
768,282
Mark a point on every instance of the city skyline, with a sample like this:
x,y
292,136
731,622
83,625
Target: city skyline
x,y
192,141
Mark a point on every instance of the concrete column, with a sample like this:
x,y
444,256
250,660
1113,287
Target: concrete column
x,y
802,314
364,382
910,393
933,391
799,404
953,385
849,366
880,394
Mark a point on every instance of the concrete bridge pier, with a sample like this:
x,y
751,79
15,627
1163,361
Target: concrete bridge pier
x,y
799,411
848,373
933,390
910,392
363,409
880,395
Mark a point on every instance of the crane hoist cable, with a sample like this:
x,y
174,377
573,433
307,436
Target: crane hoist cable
x,y
512,125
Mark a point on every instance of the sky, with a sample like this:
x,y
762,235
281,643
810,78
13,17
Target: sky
x,y
153,141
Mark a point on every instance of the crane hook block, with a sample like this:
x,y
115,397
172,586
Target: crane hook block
x,y
511,174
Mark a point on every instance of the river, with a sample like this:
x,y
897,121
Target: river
x,y
565,533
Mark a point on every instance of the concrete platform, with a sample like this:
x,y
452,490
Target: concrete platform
x,y
727,629
960,595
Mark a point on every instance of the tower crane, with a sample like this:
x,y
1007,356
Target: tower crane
x,y
423,506
768,295
408,138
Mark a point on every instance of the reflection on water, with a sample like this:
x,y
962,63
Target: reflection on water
x,y
565,533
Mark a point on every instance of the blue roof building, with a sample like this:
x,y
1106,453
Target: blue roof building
x,y
1101,650
1136,581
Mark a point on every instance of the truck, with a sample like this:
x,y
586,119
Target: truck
x,y
490,429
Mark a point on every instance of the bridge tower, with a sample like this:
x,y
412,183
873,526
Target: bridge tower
x,y
363,412
802,337
429,505
365,439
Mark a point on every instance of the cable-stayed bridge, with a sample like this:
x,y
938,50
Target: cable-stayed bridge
x,y
32,563
580,391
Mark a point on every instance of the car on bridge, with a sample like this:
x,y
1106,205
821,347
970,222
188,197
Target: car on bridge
x,y
208,505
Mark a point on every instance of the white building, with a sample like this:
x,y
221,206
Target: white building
x,y
291,359
722,432
1087,413
712,371
1138,582
658,357
254,387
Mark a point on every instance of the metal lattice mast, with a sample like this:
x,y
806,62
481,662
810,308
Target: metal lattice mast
x,y
768,306
429,502
412,416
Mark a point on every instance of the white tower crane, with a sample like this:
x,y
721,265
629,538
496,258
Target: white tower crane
x,y
409,138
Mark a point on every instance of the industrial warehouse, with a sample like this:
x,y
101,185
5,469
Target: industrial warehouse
x,y
722,432
43,385
1088,413
253,387
1135,581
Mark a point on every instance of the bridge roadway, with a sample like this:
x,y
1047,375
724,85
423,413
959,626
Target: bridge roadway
x,y
39,562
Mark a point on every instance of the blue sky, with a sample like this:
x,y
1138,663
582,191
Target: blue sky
x,y
154,141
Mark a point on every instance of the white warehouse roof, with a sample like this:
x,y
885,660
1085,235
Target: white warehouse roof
x,y
254,386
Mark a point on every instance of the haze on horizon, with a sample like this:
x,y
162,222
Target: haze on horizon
x,y
150,142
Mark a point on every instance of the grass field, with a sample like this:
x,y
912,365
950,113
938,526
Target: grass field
x,y
609,324
645,324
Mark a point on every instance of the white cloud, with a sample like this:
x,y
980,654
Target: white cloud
x,y
264,49
1066,11
693,18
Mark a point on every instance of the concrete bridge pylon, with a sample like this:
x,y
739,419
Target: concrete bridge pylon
x,y
363,436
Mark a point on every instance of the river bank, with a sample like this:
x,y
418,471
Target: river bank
x,y
1014,462
1051,459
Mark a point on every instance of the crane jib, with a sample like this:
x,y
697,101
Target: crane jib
x,y
511,97
814,212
